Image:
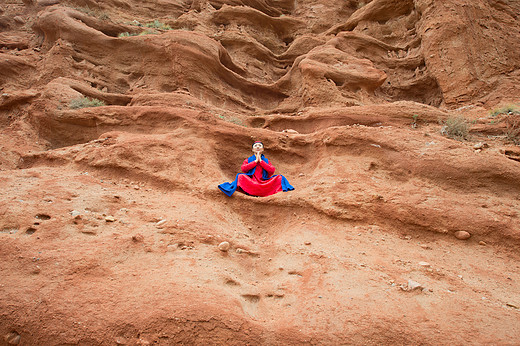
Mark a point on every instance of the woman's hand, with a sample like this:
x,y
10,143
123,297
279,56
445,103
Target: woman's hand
x,y
258,157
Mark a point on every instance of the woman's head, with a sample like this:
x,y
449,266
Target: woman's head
x,y
258,147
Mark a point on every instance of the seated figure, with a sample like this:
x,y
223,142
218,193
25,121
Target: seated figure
x,y
257,179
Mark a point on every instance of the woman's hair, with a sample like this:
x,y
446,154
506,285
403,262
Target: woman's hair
x,y
257,142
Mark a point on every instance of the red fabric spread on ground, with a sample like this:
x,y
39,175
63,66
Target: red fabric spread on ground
x,y
255,185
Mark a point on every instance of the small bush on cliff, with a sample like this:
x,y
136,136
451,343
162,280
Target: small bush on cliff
x,y
158,25
233,120
142,33
512,131
84,102
127,34
456,127
93,13
508,109
510,115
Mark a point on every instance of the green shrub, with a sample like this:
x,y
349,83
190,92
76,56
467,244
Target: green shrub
x,y
142,33
456,127
158,25
84,102
148,32
507,109
93,13
512,131
415,117
233,120
126,34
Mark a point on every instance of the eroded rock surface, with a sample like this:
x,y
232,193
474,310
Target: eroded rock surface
x,y
112,226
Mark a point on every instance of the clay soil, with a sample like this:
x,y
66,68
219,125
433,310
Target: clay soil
x,y
399,230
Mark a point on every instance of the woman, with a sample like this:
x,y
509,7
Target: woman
x,y
257,182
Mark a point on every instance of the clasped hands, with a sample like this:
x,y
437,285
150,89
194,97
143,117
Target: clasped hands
x,y
258,157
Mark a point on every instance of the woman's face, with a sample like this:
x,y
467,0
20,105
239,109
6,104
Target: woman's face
x,y
258,147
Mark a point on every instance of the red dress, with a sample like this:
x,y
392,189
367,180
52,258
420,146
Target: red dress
x,y
255,185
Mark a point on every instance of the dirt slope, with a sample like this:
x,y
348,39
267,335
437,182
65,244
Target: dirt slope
x,y
110,216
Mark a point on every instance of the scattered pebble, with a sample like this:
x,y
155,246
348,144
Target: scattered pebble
x,y
75,213
110,219
512,305
13,338
483,243
160,224
480,146
291,131
36,270
307,243
136,187
424,264
239,250
224,246
138,238
462,235
413,285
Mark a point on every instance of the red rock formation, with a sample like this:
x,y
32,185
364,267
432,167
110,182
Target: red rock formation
x,y
110,216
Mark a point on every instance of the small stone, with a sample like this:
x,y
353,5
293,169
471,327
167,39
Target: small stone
x,y
426,247
110,219
462,235
19,20
480,146
515,306
424,264
413,285
224,246
13,338
483,243
161,223
307,243
138,238
36,270
291,131
239,250
75,213
136,187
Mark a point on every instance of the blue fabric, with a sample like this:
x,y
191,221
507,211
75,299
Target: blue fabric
x,y
230,188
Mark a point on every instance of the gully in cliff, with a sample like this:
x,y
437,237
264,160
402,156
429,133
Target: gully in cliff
x,y
257,182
